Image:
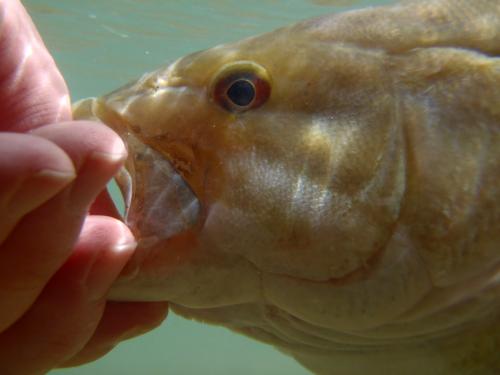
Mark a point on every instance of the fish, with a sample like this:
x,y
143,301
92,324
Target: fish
x,y
331,188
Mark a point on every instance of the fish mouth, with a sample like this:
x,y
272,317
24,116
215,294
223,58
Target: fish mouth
x,y
159,203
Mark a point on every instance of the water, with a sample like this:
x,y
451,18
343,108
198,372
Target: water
x,y
99,46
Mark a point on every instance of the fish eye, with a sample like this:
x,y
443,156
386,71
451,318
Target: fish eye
x,y
241,92
241,86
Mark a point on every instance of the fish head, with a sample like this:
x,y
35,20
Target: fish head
x,y
272,157
330,187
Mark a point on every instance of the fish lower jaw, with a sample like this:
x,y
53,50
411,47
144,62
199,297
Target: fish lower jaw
x,y
328,351
293,331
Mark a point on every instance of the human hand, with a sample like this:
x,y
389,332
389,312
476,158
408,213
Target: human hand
x,y
57,261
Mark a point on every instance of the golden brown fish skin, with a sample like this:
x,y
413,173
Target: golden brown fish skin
x,y
414,24
353,220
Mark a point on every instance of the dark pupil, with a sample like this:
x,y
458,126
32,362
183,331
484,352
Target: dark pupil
x,y
241,92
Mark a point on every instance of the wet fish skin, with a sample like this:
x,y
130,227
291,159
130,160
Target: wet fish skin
x,y
353,219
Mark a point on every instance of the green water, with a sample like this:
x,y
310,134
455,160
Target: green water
x,y
102,44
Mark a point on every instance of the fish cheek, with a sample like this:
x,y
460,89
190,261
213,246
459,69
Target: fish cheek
x,y
307,183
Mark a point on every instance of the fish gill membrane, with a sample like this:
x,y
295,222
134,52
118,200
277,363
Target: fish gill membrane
x,y
330,188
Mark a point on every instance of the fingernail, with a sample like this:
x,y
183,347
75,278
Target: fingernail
x,y
39,187
95,173
106,268
47,179
124,247
109,157
53,175
117,152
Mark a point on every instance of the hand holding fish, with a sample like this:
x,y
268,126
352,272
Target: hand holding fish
x,y
57,261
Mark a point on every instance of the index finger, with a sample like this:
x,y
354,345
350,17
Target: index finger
x,y
32,91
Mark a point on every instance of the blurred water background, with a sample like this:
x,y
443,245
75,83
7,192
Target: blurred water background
x,y
100,45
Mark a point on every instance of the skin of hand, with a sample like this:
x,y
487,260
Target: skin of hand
x,y
61,244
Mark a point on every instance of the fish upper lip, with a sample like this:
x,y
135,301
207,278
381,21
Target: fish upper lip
x,y
109,117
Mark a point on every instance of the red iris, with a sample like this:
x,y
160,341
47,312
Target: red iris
x,y
241,91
